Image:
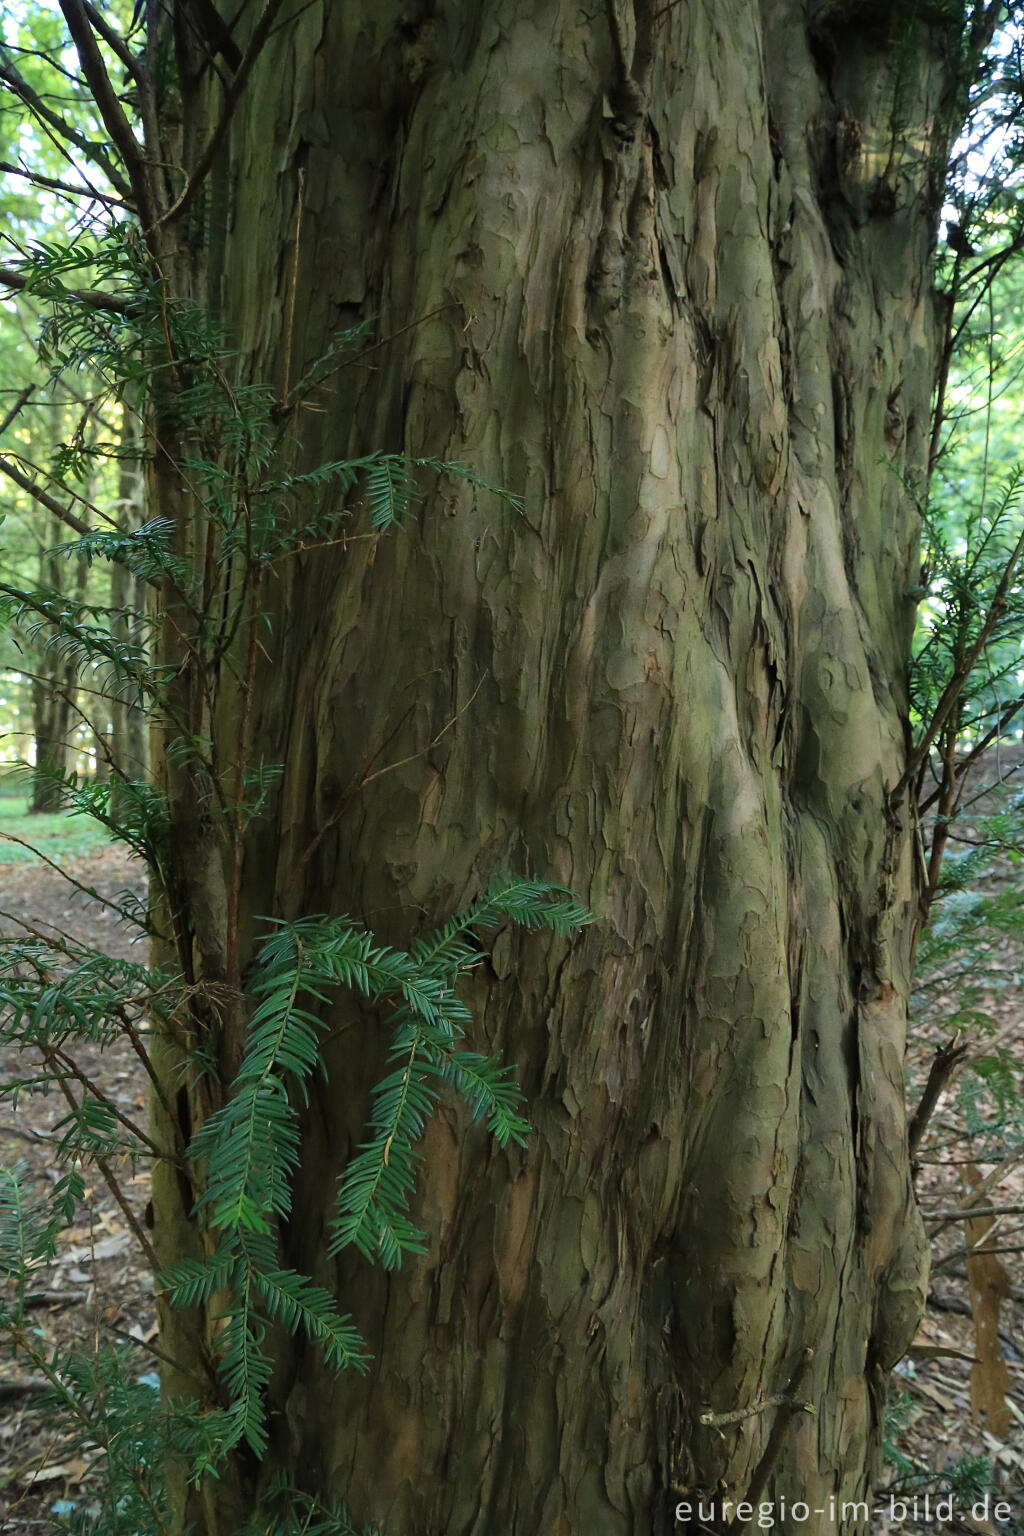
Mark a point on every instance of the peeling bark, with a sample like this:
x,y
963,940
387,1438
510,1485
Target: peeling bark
x,y
666,273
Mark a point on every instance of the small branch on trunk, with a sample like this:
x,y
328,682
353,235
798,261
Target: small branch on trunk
x,y
790,1405
944,1063
737,1415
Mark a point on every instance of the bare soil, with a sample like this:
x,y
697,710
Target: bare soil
x,y
99,1288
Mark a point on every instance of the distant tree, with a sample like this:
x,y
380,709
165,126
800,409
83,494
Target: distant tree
x,y
54,686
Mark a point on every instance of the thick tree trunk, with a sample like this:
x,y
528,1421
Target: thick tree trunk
x,y
667,276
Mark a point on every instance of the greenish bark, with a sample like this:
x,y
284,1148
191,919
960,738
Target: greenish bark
x,y
665,271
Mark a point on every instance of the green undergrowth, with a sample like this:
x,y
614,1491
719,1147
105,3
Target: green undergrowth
x,y
59,836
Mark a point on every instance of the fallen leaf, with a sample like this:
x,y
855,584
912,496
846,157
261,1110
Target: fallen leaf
x,y
106,1248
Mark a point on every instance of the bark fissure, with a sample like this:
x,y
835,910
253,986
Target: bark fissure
x,y
668,304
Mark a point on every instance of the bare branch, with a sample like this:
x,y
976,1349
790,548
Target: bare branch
x,y
110,303
111,1182
16,408
213,31
944,1063
71,1067
115,42
975,1252
110,109
11,470
994,733
792,1404
1001,1169
52,184
12,76
978,1210
202,167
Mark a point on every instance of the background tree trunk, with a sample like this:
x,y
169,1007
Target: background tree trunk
x,y
54,685
128,740
667,275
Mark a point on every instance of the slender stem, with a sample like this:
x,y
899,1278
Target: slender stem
x,y
65,133
976,1252
22,481
981,1210
965,665
135,1041
944,1063
110,108
115,1189
16,409
790,1405
114,41
233,1045
940,830
64,1063
290,327
95,298
204,164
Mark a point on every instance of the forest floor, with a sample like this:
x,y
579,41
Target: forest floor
x,y
98,1290
956,1415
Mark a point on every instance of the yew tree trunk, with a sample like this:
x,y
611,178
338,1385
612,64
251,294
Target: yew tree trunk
x,y
664,271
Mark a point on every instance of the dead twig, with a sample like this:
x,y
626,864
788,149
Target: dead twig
x,y
791,1404
944,1063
